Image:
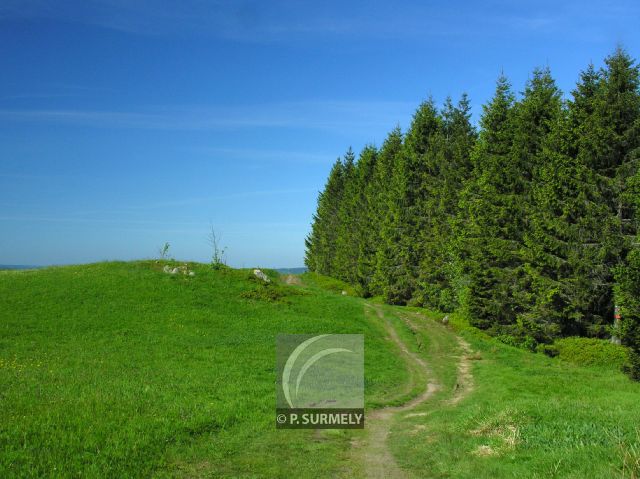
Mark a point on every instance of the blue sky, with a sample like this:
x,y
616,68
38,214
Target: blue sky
x,y
125,124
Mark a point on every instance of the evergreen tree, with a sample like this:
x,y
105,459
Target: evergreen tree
x,y
535,116
568,223
366,228
421,143
345,259
321,242
607,141
489,206
389,180
448,166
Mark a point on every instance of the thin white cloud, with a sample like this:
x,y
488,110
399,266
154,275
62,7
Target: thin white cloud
x,y
258,21
264,154
73,219
216,198
321,115
228,229
94,216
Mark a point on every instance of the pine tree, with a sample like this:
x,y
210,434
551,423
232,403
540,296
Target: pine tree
x,y
489,204
367,229
413,221
584,218
448,166
535,116
388,180
345,259
607,141
321,242
567,225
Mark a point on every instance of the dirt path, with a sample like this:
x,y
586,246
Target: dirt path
x,y
464,381
377,459
293,279
464,384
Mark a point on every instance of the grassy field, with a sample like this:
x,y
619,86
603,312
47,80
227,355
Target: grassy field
x,y
120,370
526,415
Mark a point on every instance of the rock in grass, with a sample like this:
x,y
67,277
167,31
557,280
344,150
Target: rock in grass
x,y
260,275
178,270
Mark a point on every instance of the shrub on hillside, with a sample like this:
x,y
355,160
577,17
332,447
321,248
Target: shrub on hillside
x,y
265,293
273,291
628,297
523,342
330,284
587,352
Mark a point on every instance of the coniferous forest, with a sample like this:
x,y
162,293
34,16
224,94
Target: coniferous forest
x,y
527,223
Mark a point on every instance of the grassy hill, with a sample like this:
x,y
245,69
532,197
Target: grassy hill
x,y
121,370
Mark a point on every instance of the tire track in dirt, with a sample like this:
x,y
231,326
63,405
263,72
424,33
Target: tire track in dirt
x,y
464,381
378,461
464,384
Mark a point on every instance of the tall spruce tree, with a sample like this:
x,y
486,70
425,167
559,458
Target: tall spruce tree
x,y
345,259
489,204
366,228
448,164
420,147
624,98
568,224
389,179
321,242
607,141
535,116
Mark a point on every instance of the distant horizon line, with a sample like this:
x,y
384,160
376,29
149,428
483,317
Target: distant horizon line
x,y
40,266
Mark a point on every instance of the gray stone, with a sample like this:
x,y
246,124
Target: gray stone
x,y
260,275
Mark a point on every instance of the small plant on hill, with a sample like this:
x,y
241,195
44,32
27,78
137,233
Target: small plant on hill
x,y
163,251
217,252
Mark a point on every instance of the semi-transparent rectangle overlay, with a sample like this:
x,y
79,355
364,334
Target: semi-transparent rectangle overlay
x,y
320,381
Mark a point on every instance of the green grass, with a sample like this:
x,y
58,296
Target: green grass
x,y
120,370
591,352
529,416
